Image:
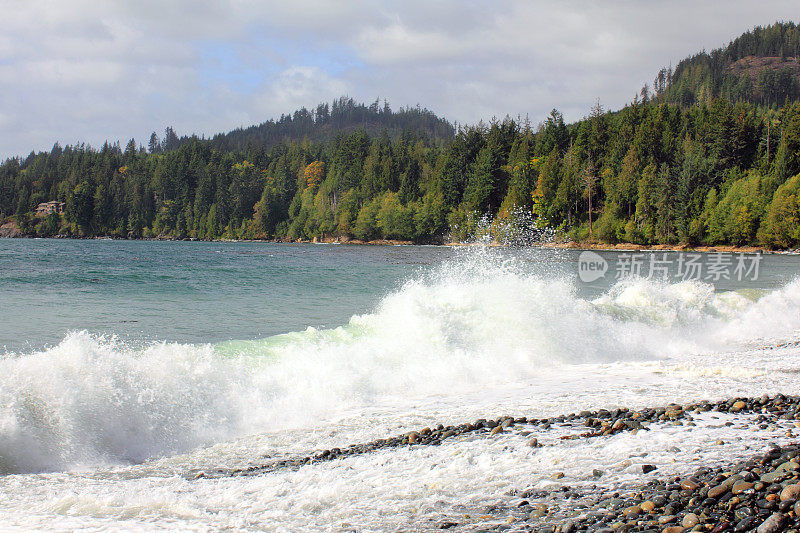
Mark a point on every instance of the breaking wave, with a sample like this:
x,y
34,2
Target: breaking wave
x,y
475,322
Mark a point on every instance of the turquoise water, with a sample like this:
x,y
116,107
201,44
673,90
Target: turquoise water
x,y
190,291
200,292
130,364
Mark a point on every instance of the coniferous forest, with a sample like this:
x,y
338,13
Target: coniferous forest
x,y
707,154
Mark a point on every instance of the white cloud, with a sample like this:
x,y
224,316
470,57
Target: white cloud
x,y
297,87
525,57
77,70
399,44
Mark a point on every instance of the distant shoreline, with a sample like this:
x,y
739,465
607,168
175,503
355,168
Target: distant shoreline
x,y
631,247
568,245
9,230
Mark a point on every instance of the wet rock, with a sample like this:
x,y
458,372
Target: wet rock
x,y
745,524
716,492
790,492
635,509
773,524
722,526
539,510
690,484
568,527
739,496
690,520
740,487
771,477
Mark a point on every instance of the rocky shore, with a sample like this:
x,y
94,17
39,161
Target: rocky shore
x,y
11,230
760,493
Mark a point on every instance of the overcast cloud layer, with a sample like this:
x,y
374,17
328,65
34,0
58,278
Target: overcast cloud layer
x,y
85,71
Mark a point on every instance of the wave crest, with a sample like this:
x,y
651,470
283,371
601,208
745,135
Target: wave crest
x,y
465,326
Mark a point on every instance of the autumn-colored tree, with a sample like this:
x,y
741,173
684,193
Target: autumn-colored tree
x,y
314,173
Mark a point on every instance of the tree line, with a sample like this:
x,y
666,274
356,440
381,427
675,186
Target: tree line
x,y
717,170
651,173
732,73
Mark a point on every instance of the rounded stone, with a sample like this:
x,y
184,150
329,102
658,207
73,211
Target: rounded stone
x,y
738,406
773,524
690,520
634,509
690,484
716,492
790,492
741,486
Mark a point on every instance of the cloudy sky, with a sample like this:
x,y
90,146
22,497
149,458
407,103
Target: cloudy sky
x,y
76,70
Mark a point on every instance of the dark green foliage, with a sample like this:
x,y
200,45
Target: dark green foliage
x,y
660,174
759,67
326,122
80,207
691,162
781,226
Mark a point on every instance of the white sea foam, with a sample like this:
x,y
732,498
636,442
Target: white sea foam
x,y
471,326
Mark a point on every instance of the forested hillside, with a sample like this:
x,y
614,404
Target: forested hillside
x,y
759,67
709,168
342,116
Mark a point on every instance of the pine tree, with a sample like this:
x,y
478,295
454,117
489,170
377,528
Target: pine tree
x,y
154,146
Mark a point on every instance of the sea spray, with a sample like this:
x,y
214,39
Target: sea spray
x,y
480,322
91,400
517,227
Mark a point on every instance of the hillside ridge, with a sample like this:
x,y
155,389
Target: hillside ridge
x,y
700,171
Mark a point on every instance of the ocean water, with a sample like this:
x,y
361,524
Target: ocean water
x,y
130,364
